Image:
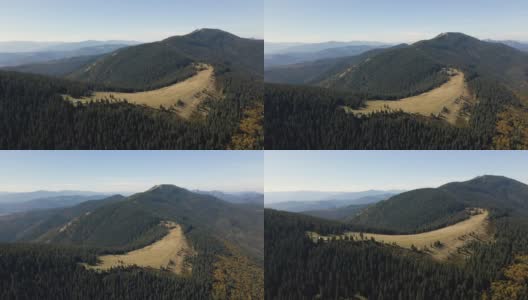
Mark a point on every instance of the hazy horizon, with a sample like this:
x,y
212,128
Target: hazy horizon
x,y
71,21
388,21
130,171
355,171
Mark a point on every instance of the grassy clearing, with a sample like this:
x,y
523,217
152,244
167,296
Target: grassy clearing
x,y
440,243
184,97
447,101
167,253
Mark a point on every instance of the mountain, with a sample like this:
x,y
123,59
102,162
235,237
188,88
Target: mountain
x,y
273,198
58,68
288,58
125,223
219,244
6,197
273,47
316,47
431,208
337,202
174,59
31,225
514,44
314,72
339,213
25,58
407,70
252,198
30,46
45,203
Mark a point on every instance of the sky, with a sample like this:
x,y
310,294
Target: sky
x,y
139,20
130,171
352,171
393,21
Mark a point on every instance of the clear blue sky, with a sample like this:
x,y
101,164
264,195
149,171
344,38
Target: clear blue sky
x,y
393,21
364,170
142,20
130,171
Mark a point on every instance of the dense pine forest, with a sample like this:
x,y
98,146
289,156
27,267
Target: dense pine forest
x,y
30,271
310,118
299,268
35,116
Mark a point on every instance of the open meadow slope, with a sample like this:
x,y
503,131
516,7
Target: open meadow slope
x,y
183,97
440,243
446,101
168,253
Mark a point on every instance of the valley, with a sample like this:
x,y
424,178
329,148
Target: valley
x,y
441,243
183,97
447,101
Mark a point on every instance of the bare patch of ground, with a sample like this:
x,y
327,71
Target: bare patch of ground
x,y
440,243
183,97
168,253
448,101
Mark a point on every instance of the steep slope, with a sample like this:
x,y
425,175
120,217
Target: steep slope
x,y
427,209
166,62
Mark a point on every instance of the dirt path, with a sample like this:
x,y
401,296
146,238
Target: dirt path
x,y
183,96
446,101
169,252
451,237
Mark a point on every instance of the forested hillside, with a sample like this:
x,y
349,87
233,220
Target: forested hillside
x,y
495,74
226,241
163,63
296,267
428,209
35,114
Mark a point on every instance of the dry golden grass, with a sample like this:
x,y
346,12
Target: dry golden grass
x,y
446,101
183,96
169,253
452,237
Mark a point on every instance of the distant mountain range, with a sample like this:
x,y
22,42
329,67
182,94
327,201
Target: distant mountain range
x,y
306,196
46,203
11,197
276,48
30,46
253,198
57,52
514,44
